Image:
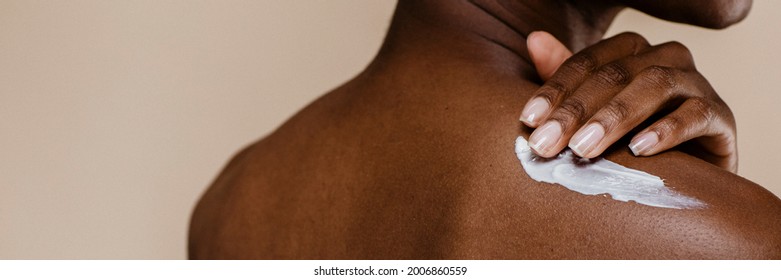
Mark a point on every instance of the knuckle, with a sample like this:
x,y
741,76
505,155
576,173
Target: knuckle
x,y
639,42
553,91
582,63
616,111
660,76
677,49
726,114
702,109
629,35
694,118
572,110
614,74
675,46
668,126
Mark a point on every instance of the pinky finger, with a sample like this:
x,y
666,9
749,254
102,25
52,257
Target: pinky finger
x,y
695,118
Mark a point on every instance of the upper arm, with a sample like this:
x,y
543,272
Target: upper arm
x,y
740,218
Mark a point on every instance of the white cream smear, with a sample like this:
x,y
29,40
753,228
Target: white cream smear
x,y
601,176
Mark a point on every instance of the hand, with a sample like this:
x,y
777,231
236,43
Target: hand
x,y
592,99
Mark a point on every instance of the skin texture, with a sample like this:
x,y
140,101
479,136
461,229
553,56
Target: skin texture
x,y
609,89
414,159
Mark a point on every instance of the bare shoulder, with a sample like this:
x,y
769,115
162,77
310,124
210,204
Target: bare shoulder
x,y
509,215
380,180
740,219
522,218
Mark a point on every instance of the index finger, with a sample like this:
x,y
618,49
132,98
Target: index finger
x,y
574,71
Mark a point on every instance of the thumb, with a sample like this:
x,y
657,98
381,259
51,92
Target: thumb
x,y
546,52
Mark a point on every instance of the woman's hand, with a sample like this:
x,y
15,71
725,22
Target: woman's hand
x,y
593,98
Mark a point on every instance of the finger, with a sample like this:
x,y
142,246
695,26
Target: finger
x,y
546,52
574,70
571,113
669,54
695,118
643,97
646,94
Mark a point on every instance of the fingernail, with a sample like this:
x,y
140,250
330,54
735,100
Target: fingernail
x,y
534,110
587,139
643,143
545,137
532,38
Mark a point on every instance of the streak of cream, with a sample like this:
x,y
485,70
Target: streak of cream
x,y
601,176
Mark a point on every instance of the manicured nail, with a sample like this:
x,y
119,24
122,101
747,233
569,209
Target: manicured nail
x,y
643,143
534,110
532,38
545,137
587,139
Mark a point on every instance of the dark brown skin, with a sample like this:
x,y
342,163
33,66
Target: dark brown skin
x,y
413,159
609,89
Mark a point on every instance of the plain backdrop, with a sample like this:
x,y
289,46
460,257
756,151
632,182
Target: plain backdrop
x,y
116,115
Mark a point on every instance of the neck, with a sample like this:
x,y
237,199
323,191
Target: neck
x,y
490,32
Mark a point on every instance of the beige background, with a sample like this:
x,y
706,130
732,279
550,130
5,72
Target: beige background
x,y
117,114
